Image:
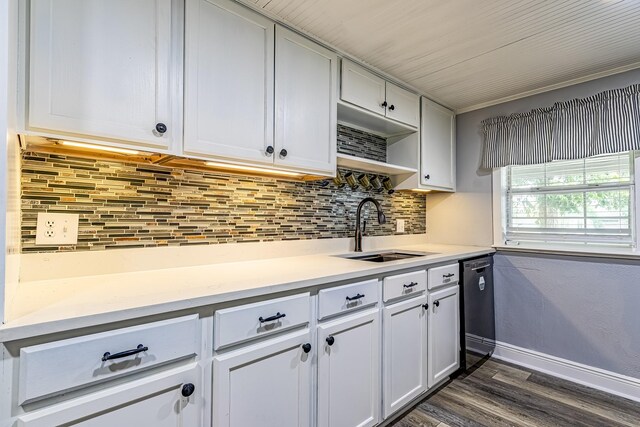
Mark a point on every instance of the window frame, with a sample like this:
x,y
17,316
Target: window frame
x,y
499,205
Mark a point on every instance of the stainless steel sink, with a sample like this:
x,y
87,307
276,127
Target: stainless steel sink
x,y
386,256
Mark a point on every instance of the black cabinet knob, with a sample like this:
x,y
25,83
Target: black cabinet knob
x,y
427,176
161,128
384,104
269,150
306,347
283,153
425,306
188,389
330,340
436,303
392,107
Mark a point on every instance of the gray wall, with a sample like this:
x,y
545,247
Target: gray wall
x,y
584,310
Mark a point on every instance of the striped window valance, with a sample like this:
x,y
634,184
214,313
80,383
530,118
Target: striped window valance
x,y
608,122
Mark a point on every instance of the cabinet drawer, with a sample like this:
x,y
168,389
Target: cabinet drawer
x,y
343,299
444,275
60,366
404,284
246,322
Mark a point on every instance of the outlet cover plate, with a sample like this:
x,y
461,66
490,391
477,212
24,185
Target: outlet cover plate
x,y
57,229
400,225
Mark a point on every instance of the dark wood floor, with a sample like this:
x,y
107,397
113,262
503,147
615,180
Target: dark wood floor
x,y
499,394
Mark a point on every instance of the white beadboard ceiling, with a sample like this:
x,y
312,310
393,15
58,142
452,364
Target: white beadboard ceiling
x,y
472,53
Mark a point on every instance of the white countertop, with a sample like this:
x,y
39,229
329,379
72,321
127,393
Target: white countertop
x,y
50,306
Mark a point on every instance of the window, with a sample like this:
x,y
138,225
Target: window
x,y
588,201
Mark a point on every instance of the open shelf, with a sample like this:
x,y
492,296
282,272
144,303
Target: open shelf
x,y
360,118
351,162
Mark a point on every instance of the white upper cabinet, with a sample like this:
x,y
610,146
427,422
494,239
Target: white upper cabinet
x,y
362,88
366,90
437,146
305,102
402,105
444,334
106,70
229,63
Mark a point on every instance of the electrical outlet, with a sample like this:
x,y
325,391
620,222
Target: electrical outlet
x,y
57,229
400,225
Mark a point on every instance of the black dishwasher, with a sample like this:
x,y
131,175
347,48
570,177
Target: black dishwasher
x,y
478,329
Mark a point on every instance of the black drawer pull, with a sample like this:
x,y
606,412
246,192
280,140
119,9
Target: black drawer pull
x,y
425,306
330,340
436,303
272,318
411,285
355,298
139,349
306,347
446,276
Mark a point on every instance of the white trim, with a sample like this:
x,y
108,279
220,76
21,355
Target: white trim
x,y
549,88
600,379
499,201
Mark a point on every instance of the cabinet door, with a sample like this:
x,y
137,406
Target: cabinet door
x,y
438,146
228,81
362,88
266,384
156,400
306,108
405,353
444,334
349,371
105,69
403,105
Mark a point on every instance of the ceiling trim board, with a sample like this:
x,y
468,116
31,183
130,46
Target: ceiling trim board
x,y
549,88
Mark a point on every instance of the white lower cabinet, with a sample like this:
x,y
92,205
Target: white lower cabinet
x,y
405,352
266,384
349,371
444,333
157,400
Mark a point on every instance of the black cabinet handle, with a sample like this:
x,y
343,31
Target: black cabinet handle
x,y
427,176
306,347
392,107
188,389
276,316
425,306
384,104
269,150
330,340
161,128
436,303
283,153
355,298
410,285
446,276
139,349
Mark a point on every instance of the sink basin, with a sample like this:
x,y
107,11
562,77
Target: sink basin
x,y
387,256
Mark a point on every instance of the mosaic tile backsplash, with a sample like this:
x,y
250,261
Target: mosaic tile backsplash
x,y
361,144
137,205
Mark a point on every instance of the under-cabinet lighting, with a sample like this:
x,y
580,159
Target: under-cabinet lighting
x,y
419,190
100,148
251,169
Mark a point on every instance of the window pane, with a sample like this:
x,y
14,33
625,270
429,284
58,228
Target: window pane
x,y
589,200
